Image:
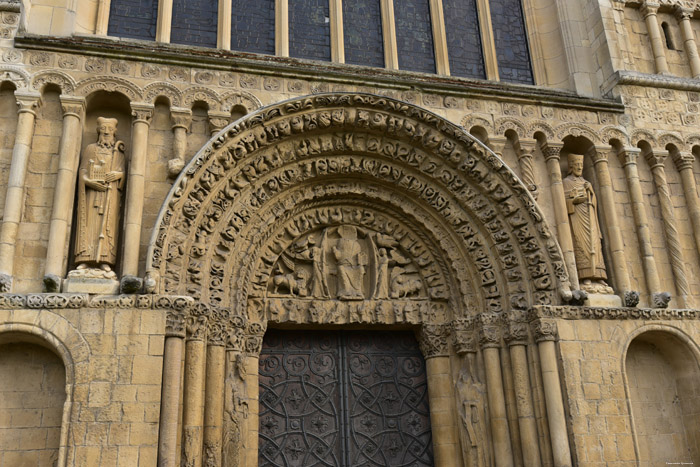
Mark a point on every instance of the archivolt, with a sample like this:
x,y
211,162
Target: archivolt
x,y
474,217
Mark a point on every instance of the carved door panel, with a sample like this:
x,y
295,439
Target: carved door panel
x,y
343,399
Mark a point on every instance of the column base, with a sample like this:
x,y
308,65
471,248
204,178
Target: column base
x,y
92,281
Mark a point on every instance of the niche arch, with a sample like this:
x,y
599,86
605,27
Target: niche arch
x,y
263,182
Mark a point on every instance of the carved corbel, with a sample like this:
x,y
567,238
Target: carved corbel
x,y
432,339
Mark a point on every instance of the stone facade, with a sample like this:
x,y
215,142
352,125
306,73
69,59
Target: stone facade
x,y
269,191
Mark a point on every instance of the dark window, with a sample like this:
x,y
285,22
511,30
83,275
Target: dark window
x,y
667,35
309,29
414,35
194,22
253,26
511,41
133,18
362,24
463,38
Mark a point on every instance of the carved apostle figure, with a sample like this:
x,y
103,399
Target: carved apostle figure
x,y
382,287
100,183
582,208
472,414
350,262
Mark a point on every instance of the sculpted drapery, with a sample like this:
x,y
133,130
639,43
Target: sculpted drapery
x,y
582,208
100,183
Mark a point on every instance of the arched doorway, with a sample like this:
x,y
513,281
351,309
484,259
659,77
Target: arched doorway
x,y
339,211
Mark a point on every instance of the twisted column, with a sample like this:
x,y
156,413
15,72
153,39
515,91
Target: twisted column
x,y
490,342
64,192
552,153
170,392
649,10
214,393
525,150
628,158
193,409
545,335
136,183
516,337
14,198
433,344
607,198
182,119
656,163
683,16
684,164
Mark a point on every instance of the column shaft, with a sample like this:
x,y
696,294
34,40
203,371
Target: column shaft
x,y
656,162
685,167
170,403
441,399
337,37
181,118
488,43
691,48
526,411
102,20
281,28
437,18
193,403
135,188
214,404
64,193
391,54
607,197
497,407
252,426
165,20
651,274
223,29
14,197
551,152
657,42
555,404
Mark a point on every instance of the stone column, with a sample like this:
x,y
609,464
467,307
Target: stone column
x,y
525,150
391,54
433,343
28,102
170,393
223,27
214,394
235,397
217,121
599,157
102,19
684,164
490,342
165,20
437,19
551,153
691,48
545,335
673,244
516,337
136,183
193,411
253,347
182,119
282,28
649,10
628,158
337,37
64,192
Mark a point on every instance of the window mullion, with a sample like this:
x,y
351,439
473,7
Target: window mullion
x,y
487,40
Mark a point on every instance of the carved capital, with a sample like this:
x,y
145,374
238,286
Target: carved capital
x,y
142,113
525,147
27,101
489,337
683,160
253,338
497,144
544,330
218,120
552,151
649,9
599,154
181,118
516,329
217,334
235,339
196,328
175,323
432,339
656,159
464,337
682,14
628,156
73,106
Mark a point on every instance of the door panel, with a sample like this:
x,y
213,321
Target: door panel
x,y
343,399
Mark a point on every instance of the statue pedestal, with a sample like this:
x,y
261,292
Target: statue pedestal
x,y
603,300
92,281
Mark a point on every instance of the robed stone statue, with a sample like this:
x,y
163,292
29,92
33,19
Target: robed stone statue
x,y
582,208
100,183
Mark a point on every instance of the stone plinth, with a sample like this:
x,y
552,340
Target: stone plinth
x,y
92,281
603,300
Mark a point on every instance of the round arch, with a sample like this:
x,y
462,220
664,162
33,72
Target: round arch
x,y
266,190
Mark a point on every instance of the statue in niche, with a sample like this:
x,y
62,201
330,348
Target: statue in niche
x,y
348,263
582,208
100,184
472,414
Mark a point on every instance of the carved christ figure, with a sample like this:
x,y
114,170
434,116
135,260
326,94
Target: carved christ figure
x,y
350,262
100,183
582,208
